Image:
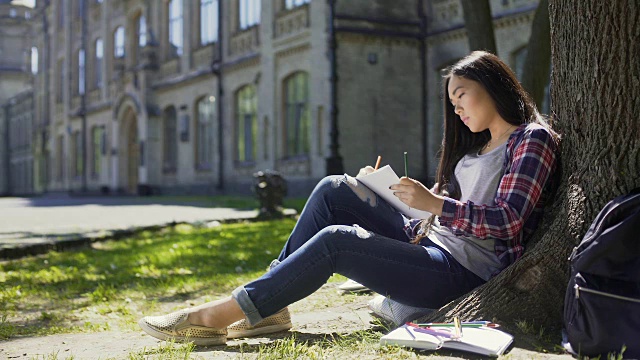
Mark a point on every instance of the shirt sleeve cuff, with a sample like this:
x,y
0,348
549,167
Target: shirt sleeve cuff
x,y
449,210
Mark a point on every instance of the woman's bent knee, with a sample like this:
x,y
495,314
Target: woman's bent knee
x,y
335,185
335,233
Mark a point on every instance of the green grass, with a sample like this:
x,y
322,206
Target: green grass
x,y
364,343
166,351
110,286
118,280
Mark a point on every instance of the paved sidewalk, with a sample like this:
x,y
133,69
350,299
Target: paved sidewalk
x,y
31,226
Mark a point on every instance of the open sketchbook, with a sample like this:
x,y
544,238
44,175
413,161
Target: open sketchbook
x,y
380,180
482,340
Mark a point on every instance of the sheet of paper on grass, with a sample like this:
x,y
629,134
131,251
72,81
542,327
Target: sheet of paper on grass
x,y
380,180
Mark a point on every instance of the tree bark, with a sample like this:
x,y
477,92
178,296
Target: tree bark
x,y
596,82
479,24
538,60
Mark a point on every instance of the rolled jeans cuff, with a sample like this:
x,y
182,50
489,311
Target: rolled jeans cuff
x,y
246,305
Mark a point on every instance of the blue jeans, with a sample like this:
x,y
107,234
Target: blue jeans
x,y
346,228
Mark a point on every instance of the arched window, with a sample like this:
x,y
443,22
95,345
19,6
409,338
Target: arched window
x,y
206,108
246,123
118,41
175,28
170,141
297,117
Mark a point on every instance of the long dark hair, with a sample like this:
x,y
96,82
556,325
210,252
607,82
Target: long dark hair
x,y
512,102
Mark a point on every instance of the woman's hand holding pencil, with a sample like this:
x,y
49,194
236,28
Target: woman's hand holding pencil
x,y
415,195
369,169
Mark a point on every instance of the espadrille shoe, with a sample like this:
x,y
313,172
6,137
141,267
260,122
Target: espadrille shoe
x,y
277,322
176,326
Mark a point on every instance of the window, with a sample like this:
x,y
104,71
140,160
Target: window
x,y
208,21
204,138
246,123
249,11
98,63
96,149
34,60
297,117
77,153
142,31
170,142
175,27
12,13
118,40
81,73
290,4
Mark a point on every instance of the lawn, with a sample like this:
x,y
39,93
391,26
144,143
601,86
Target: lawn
x,y
112,284
109,286
50,293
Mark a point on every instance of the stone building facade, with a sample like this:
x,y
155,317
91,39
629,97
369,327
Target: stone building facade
x,y
186,96
16,98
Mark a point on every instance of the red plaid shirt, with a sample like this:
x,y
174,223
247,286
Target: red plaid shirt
x,y
530,160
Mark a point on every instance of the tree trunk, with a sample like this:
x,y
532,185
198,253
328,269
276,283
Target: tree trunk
x,y
536,65
479,24
596,82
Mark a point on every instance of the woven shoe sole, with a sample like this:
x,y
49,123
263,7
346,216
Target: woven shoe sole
x,y
280,321
176,327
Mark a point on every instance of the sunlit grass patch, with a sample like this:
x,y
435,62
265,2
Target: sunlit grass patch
x,y
117,281
361,344
165,351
